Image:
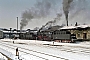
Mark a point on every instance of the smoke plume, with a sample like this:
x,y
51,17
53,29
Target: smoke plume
x,y
53,22
26,16
66,6
40,10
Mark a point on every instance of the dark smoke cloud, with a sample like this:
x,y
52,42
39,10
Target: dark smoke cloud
x,y
40,10
51,23
66,7
26,16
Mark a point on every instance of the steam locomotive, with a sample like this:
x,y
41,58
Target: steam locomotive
x,y
57,35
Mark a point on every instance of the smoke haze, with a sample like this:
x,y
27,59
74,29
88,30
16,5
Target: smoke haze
x,y
75,10
52,23
41,10
66,7
80,11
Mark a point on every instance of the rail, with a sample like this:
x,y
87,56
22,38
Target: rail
x,y
8,55
32,52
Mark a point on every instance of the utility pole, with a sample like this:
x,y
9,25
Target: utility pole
x,y
10,33
17,35
17,24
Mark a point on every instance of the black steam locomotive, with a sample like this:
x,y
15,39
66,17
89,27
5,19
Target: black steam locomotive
x,y
57,35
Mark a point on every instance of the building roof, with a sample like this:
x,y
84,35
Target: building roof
x,y
68,27
83,26
74,27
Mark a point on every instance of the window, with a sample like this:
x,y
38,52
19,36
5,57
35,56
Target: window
x,y
78,34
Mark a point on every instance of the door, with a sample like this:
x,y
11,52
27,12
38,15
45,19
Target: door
x,y
84,35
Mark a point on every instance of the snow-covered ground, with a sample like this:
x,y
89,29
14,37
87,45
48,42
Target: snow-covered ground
x,y
2,57
65,51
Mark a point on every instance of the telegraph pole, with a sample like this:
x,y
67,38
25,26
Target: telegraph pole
x,y
17,24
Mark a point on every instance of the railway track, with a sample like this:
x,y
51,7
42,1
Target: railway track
x,y
72,49
42,55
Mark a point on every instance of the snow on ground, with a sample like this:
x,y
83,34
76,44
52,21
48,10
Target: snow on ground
x,y
33,45
9,54
2,57
81,44
84,43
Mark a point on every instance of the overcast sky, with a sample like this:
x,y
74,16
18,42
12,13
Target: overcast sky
x,y
10,9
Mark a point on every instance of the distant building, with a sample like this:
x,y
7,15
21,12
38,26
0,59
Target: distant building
x,y
81,31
